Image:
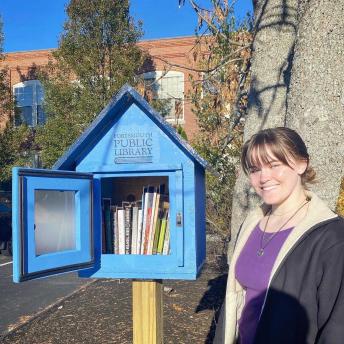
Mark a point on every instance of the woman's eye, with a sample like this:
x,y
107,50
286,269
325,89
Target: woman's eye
x,y
254,169
275,165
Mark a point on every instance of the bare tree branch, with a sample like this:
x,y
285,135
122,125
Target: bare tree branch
x,y
199,11
207,70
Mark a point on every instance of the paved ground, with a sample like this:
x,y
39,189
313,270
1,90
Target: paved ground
x,y
21,302
100,312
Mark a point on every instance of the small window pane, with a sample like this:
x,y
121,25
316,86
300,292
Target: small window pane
x,y
54,221
24,95
169,89
24,116
39,94
40,115
29,100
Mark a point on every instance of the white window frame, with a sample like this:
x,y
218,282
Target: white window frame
x,y
35,102
159,75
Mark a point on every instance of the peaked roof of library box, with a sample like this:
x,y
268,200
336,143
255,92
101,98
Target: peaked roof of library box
x,y
119,103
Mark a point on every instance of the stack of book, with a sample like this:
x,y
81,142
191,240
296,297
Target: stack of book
x,y
140,227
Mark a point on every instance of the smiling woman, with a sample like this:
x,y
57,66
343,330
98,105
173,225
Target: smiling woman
x,y
278,167
286,277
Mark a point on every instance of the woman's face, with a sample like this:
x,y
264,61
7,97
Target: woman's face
x,y
277,183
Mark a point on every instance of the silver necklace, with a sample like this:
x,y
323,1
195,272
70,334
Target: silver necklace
x,y
263,244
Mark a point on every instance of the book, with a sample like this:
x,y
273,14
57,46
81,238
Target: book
x,y
127,206
134,226
121,230
143,222
155,211
166,248
161,198
115,229
139,231
162,235
163,227
157,232
108,225
148,218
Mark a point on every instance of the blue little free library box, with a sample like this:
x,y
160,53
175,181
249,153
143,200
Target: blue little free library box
x,y
127,200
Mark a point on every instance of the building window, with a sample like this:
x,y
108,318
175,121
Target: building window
x,y
29,100
166,89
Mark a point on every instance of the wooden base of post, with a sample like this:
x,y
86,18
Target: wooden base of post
x,y
147,312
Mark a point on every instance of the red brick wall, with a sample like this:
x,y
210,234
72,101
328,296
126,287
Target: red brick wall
x,y
23,64
177,51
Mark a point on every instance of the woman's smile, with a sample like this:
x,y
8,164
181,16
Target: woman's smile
x,y
278,184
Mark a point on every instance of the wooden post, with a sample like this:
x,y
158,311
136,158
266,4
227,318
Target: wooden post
x,y
147,312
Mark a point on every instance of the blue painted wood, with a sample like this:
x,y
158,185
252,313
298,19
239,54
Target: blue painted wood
x,y
118,105
95,167
27,264
130,140
179,218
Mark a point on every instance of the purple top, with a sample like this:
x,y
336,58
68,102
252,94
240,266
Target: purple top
x,y
253,273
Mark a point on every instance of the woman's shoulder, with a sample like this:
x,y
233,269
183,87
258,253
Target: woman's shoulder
x,y
330,232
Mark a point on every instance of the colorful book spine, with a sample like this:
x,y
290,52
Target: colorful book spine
x,y
134,227
115,230
139,231
166,248
138,227
162,236
148,215
144,219
121,231
157,232
155,210
127,226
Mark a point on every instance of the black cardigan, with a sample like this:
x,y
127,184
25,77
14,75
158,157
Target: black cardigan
x,y
305,301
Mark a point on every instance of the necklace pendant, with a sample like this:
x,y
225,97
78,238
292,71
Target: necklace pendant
x,y
260,252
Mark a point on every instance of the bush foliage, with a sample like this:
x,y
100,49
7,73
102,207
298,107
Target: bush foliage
x,y
219,99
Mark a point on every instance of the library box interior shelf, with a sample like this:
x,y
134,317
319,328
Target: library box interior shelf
x,y
126,200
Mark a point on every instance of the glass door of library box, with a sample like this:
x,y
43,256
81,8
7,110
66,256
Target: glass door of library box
x,y
52,222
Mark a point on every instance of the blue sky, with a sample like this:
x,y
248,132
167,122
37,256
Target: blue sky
x,y
37,24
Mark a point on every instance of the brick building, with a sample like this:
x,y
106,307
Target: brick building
x,y
168,81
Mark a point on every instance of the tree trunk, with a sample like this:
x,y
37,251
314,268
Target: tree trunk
x,y
316,96
298,81
272,55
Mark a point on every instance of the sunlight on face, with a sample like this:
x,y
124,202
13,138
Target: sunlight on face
x,y
273,180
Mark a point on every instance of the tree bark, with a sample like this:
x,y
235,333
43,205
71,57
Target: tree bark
x,y
316,97
298,81
272,55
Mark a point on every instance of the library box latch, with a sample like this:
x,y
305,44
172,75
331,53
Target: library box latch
x,y
179,219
